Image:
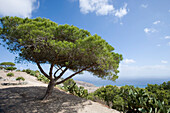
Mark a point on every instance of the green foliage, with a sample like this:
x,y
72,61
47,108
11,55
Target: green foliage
x,y
71,87
10,68
40,40
20,78
42,78
107,93
28,71
160,92
131,99
37,74
10,74
7,64
139,100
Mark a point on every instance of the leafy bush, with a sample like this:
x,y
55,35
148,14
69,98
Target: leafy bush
x,y
23,70
28,71
107,94
160,92
20,78
80,91
139,100
37,74
10,74
42,78
11,68
129,99
33,73
71,87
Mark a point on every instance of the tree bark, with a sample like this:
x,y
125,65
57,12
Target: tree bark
x,y
49,89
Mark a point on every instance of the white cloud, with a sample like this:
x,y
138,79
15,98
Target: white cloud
x,y
101,7
169,10
149,30
164,61
128,61
21,8
156,22
144,5
167,37
122,11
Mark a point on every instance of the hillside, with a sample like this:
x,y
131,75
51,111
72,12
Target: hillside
x,y
25,98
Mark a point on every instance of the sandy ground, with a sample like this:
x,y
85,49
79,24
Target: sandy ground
x,y
29,80
26,99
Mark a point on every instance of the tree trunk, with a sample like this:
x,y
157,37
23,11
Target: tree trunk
x,y
49,89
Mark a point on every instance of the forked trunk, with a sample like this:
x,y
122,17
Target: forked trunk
x,y
49,89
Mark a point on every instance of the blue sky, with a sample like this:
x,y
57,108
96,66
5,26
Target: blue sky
x,y
137,29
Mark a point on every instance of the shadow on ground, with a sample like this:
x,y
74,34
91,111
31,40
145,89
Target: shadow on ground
x,y
27,100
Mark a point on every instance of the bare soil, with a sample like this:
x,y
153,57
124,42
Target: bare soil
x,y
26,99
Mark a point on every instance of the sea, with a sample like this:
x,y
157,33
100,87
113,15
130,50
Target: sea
x,y
141,83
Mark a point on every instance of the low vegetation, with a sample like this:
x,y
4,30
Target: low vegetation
x,y
7,66
71,87
10,68
10,74
152,99
135,100
37,74
20,78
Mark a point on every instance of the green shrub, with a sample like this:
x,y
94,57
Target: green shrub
x,y
20,78
28,71
160,92
42,78
71,87
139,100
33,73
23,70
11,68
129,99
107,94
10,74
37,74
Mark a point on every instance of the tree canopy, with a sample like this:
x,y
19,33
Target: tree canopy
x,y
65,47
7,64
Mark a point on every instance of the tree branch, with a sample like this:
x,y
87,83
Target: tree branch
x,y
61,74
51,69
42,71
58,67
72,75
57,71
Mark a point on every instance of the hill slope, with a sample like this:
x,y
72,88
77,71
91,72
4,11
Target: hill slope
x,y
25,98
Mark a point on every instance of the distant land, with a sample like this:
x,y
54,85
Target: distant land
x,y
141,83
